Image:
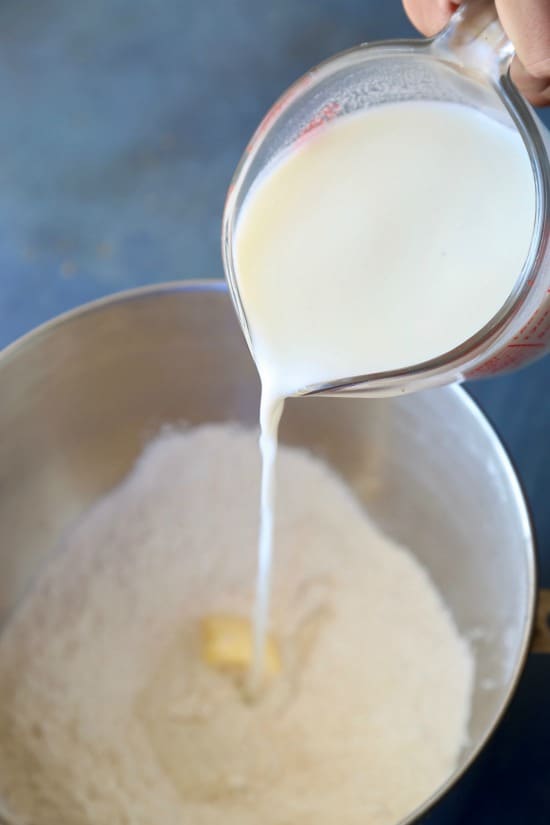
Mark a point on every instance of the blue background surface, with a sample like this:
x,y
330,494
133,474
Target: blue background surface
x,y
121,123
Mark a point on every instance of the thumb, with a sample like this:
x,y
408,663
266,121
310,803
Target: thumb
x,y
527,24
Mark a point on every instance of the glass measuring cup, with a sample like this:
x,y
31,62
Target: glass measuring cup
x,y
466,63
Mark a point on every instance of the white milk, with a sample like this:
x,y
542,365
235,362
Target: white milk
x,y
386,239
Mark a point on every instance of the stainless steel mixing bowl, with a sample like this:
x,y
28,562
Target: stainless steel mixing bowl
x,y
80,396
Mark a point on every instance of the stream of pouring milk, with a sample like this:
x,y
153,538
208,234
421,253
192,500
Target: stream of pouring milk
x,y
385,239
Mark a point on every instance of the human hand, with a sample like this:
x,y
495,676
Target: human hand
x,y
527,24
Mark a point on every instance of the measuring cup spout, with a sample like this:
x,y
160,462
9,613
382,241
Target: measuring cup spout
x,y
475,39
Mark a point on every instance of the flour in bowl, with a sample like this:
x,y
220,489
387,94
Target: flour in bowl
x,y
110,715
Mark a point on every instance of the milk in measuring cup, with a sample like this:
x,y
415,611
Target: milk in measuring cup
x,y
384,239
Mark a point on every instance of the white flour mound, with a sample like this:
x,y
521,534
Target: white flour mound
x,y
109,717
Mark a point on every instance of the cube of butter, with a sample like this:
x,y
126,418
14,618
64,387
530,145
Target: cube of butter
x,y
227,644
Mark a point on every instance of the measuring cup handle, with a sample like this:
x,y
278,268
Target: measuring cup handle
x,y
475,39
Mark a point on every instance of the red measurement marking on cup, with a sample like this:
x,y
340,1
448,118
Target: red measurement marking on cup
x,y
327,113
278,108
530,342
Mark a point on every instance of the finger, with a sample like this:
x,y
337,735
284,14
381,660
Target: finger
x,y
527,24
535,89
429,16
